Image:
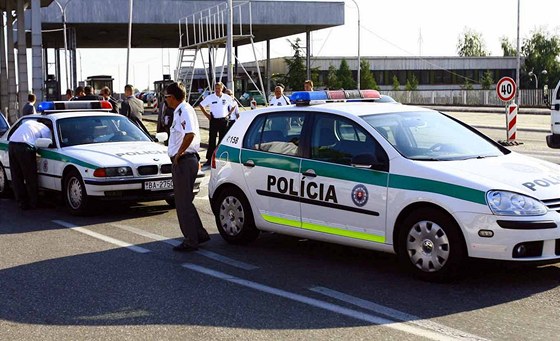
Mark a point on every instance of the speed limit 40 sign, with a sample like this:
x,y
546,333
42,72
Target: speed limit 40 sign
x,y
506,89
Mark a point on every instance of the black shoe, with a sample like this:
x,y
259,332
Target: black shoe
x,y
184,248
206,164
204,239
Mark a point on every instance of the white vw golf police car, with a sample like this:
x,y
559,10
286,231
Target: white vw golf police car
x,y
94,154
386,177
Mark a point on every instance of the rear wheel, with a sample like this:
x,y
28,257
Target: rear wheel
x,y
4,184
431,245
75,195
234,218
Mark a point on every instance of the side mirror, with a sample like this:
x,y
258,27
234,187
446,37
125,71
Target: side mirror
x,y
43,142
161,137
368,161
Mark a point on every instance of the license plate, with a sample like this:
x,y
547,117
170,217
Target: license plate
x,y
159,185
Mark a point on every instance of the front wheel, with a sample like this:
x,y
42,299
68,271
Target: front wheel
x,y
234,218
75,195
431,245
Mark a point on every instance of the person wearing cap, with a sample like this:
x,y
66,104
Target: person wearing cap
x,y
279,99
221,106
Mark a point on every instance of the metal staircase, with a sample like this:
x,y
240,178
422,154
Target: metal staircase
x,y
207,29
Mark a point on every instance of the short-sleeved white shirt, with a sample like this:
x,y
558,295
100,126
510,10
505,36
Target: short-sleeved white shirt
x,y
184,122
283,100
235,113
29,131
219,106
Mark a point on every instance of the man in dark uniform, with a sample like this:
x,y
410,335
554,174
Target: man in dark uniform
x,y
23,161
184,143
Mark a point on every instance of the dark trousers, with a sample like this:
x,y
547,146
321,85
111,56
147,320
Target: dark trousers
x,y
218,128
23,167
184,175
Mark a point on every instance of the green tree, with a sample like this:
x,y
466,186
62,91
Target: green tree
x,y
467,85
541,52
396,84
344,75
332,79
411,84
471,44
367,81
487,80
296,67
507,47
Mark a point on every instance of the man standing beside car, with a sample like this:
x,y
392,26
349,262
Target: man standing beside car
x,y
23,161
279,99
184,143
221,106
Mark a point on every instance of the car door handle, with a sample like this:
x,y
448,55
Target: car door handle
x,y
310,173
249,163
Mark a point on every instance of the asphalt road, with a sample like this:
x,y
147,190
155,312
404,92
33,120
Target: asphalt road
x,y
114,276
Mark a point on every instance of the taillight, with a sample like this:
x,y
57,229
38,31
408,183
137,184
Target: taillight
x,y
214,158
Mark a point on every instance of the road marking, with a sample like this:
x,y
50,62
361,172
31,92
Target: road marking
x,y
175,242
102,237
403,327
396,314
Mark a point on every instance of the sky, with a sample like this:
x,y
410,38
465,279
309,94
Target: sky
x,y
390,28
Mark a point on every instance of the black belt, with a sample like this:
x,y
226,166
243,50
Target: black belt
x,y
185,155
220,118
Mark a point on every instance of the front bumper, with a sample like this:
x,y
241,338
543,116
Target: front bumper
x,y
524,239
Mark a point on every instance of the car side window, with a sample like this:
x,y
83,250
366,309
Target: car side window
x,y
276,133
342,141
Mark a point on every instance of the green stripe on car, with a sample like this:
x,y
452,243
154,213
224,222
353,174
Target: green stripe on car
x,y
348,173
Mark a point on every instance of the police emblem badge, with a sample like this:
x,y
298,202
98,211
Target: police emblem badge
x,y
360,195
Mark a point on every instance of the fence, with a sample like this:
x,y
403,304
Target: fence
x,y
527,97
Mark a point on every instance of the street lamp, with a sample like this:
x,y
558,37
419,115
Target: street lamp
x,y
63,11
532,74
359,66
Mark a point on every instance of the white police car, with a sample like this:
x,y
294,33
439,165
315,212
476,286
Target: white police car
x,y
386,177
95,155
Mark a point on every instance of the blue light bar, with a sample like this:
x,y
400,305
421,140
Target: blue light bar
x,y
45,106
304,97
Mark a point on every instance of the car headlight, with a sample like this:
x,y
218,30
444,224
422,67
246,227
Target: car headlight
x,y
514,204
112,171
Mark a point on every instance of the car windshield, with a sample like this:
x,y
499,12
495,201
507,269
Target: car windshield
x,y
432,136
98,129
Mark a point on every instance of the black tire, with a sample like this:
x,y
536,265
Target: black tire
x,y
234,217
5,189
170,202
431,246
75,195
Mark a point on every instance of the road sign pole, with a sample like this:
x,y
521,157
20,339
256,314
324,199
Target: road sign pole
x,y
511,113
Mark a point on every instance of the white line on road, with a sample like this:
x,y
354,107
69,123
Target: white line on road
x,y
403,327
102,237
396,314
174,242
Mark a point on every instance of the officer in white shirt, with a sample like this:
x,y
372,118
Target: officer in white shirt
x,y
184,143
279,99
23,161
221,106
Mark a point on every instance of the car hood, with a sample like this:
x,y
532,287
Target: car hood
x,y
513,172
119,154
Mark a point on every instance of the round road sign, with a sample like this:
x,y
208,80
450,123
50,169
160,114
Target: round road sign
x,y
506,89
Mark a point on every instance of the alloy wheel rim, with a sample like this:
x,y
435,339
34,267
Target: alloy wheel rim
x,y
74,193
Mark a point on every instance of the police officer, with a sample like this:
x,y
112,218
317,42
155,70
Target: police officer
x,y
184,144
23,161
279,98
221,106
235,113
